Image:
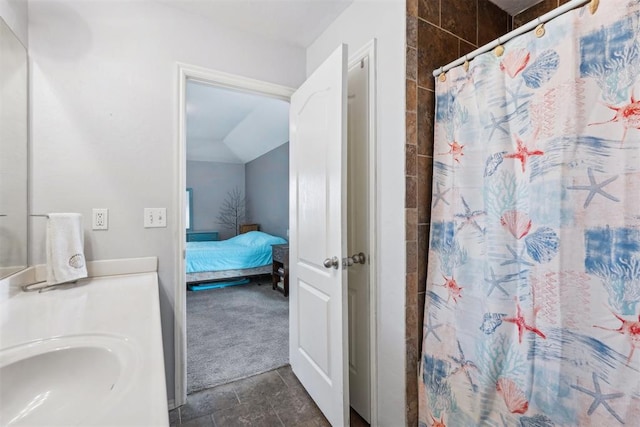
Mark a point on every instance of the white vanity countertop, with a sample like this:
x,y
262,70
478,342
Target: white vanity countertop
x,y
123,307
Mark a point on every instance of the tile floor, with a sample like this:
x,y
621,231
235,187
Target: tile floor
x,y
275,398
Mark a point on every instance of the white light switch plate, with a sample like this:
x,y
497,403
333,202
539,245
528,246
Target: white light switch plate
x,y
155,217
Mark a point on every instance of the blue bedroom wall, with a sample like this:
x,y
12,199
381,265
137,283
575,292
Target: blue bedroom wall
x,y
211,181
267,189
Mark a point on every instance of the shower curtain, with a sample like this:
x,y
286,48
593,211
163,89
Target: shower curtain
x,y
533,284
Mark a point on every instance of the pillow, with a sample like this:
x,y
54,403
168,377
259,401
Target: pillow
x,y
257,238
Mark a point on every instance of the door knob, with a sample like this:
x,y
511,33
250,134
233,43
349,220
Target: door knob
x,y
332,262
359,258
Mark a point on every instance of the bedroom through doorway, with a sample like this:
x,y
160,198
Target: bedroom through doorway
x,y
237,223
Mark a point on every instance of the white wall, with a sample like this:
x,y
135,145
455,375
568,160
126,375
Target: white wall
x,y
267,185
104,119
211,182
357,25
15,14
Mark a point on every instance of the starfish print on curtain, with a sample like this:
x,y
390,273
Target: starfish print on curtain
x,y
532,301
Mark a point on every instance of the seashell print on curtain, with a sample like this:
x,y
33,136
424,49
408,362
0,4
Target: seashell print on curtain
x,y
532,313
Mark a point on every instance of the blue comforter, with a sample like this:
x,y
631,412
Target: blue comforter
x,y
248,250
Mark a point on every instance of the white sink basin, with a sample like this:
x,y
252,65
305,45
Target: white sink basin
x,y
70,380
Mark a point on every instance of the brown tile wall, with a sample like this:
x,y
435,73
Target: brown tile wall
x,y
535,11
438,32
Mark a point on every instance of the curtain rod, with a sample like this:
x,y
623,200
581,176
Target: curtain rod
x,y
518,31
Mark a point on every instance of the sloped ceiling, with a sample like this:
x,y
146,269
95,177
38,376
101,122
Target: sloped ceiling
x,y
233,127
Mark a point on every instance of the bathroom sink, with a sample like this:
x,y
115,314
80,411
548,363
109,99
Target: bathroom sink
x,y
69,380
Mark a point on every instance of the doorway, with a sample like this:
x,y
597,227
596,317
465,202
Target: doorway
x,y
362,322
188,75
237,182
237,177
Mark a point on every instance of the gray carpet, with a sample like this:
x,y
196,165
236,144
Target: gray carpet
x,y
235,332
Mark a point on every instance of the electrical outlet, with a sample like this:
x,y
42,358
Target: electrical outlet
x,y
155,217
100,219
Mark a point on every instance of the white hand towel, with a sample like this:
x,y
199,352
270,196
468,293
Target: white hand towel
x,y
65,248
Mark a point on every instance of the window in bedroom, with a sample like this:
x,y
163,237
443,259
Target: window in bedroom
x,y
189,208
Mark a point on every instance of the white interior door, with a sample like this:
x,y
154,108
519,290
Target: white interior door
x,y
318,282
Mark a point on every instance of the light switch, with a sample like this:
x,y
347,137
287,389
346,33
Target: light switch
x,y
155,217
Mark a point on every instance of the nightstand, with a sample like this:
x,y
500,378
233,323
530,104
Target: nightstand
x,y
280,254
202,236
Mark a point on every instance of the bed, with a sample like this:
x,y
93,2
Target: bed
x,y
247,254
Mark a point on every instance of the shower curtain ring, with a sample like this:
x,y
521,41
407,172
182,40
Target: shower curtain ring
x,y
593,6
539,31
442,76
465,65
499,50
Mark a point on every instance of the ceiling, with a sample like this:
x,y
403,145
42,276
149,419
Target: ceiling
x,y
294,22
513,7
234,127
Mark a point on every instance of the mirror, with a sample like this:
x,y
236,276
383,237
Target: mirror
x,y
13,152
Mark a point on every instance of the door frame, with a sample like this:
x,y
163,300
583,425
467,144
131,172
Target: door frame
x,y
244,84
369,51
228,81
